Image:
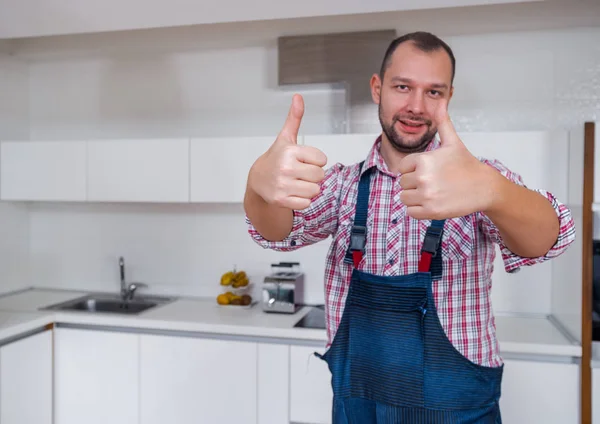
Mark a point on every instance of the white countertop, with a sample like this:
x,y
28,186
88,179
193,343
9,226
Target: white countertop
x,y
20,312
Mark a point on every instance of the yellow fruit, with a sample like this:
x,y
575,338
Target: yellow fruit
x,y
223,299
240,279
227,278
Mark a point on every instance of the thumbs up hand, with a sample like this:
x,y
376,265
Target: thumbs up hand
x,y
288,174
447,182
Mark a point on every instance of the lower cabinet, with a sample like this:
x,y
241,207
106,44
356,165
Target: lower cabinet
x,y
596,395
26,380
532,391
96,377
188,380
540,392
273,386
103,376
128,378
310,387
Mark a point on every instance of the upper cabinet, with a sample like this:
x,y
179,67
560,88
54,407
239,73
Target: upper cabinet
x,y
154,170
219,167
542,160
43,170
215,170
32,18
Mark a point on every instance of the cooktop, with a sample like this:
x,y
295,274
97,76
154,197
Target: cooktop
x,y
314,319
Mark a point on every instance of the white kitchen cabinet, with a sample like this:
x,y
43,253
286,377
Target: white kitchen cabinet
x,y
96,377
153,170
540,392
26,380
346,149
273,383
542,162
43,170
187,380
595,395
219,166
311,395
532,391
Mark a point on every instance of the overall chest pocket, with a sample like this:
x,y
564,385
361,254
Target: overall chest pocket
x,y
458,238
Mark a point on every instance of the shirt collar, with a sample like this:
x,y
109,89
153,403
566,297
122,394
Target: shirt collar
x,y
374,158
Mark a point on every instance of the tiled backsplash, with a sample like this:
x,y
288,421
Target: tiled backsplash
x,y
509,81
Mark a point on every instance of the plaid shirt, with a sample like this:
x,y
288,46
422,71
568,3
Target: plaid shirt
x,y
394,239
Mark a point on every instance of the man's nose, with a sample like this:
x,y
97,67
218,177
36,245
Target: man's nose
x,y
415,103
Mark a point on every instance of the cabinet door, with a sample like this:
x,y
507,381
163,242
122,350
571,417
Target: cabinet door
x,y
346,149
311,395
219,167
542,160
540,392
138,170
273,383
26,380
188,380
43,170
595,395
96,377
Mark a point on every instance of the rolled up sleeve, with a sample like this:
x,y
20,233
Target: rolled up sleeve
x,y
313,224
566,235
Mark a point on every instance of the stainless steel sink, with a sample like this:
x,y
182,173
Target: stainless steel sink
x,y
111,304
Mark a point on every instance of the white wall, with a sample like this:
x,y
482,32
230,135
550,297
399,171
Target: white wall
x,y
14,224
220,80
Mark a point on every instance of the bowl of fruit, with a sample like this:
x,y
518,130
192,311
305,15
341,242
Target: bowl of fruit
x,y
236,288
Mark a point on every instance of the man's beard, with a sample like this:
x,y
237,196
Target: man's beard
x,y
398,142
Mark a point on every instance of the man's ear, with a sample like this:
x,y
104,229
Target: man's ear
x,y
376,88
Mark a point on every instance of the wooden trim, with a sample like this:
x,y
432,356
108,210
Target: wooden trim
x,y
586,233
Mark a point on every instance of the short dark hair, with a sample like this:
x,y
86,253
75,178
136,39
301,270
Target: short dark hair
x,y
424,41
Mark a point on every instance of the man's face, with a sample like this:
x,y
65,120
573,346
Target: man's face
x,y
409,95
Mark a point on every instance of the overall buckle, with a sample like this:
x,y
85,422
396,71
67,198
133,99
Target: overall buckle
x,y
358,238
432,240
358,241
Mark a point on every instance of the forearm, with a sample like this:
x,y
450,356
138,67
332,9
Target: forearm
x,y
526,220
272,222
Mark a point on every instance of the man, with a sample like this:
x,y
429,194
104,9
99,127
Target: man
x,y
411,336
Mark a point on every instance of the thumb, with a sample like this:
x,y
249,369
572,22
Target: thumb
x,y
448,135
294,118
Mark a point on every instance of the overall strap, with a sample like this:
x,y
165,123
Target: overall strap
x,y
358,233
431,255
431,251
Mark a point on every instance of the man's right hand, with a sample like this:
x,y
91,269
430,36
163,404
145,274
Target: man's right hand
x,y
288,175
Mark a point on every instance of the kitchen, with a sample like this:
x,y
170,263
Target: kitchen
x,y
175,113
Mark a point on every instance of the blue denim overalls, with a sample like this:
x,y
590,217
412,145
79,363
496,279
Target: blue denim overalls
x,y
390,359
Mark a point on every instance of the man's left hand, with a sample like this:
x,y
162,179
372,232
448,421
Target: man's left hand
x,y
447,182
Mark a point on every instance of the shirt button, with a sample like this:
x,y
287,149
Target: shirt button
x,y
293,242
395,221
391,262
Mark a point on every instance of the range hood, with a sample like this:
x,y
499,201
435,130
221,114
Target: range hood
x,y
331,58
332,61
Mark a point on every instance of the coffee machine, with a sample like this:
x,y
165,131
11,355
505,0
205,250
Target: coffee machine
x,y
283,289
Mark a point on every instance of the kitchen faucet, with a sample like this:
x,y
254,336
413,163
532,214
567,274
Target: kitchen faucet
x,y
127,292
